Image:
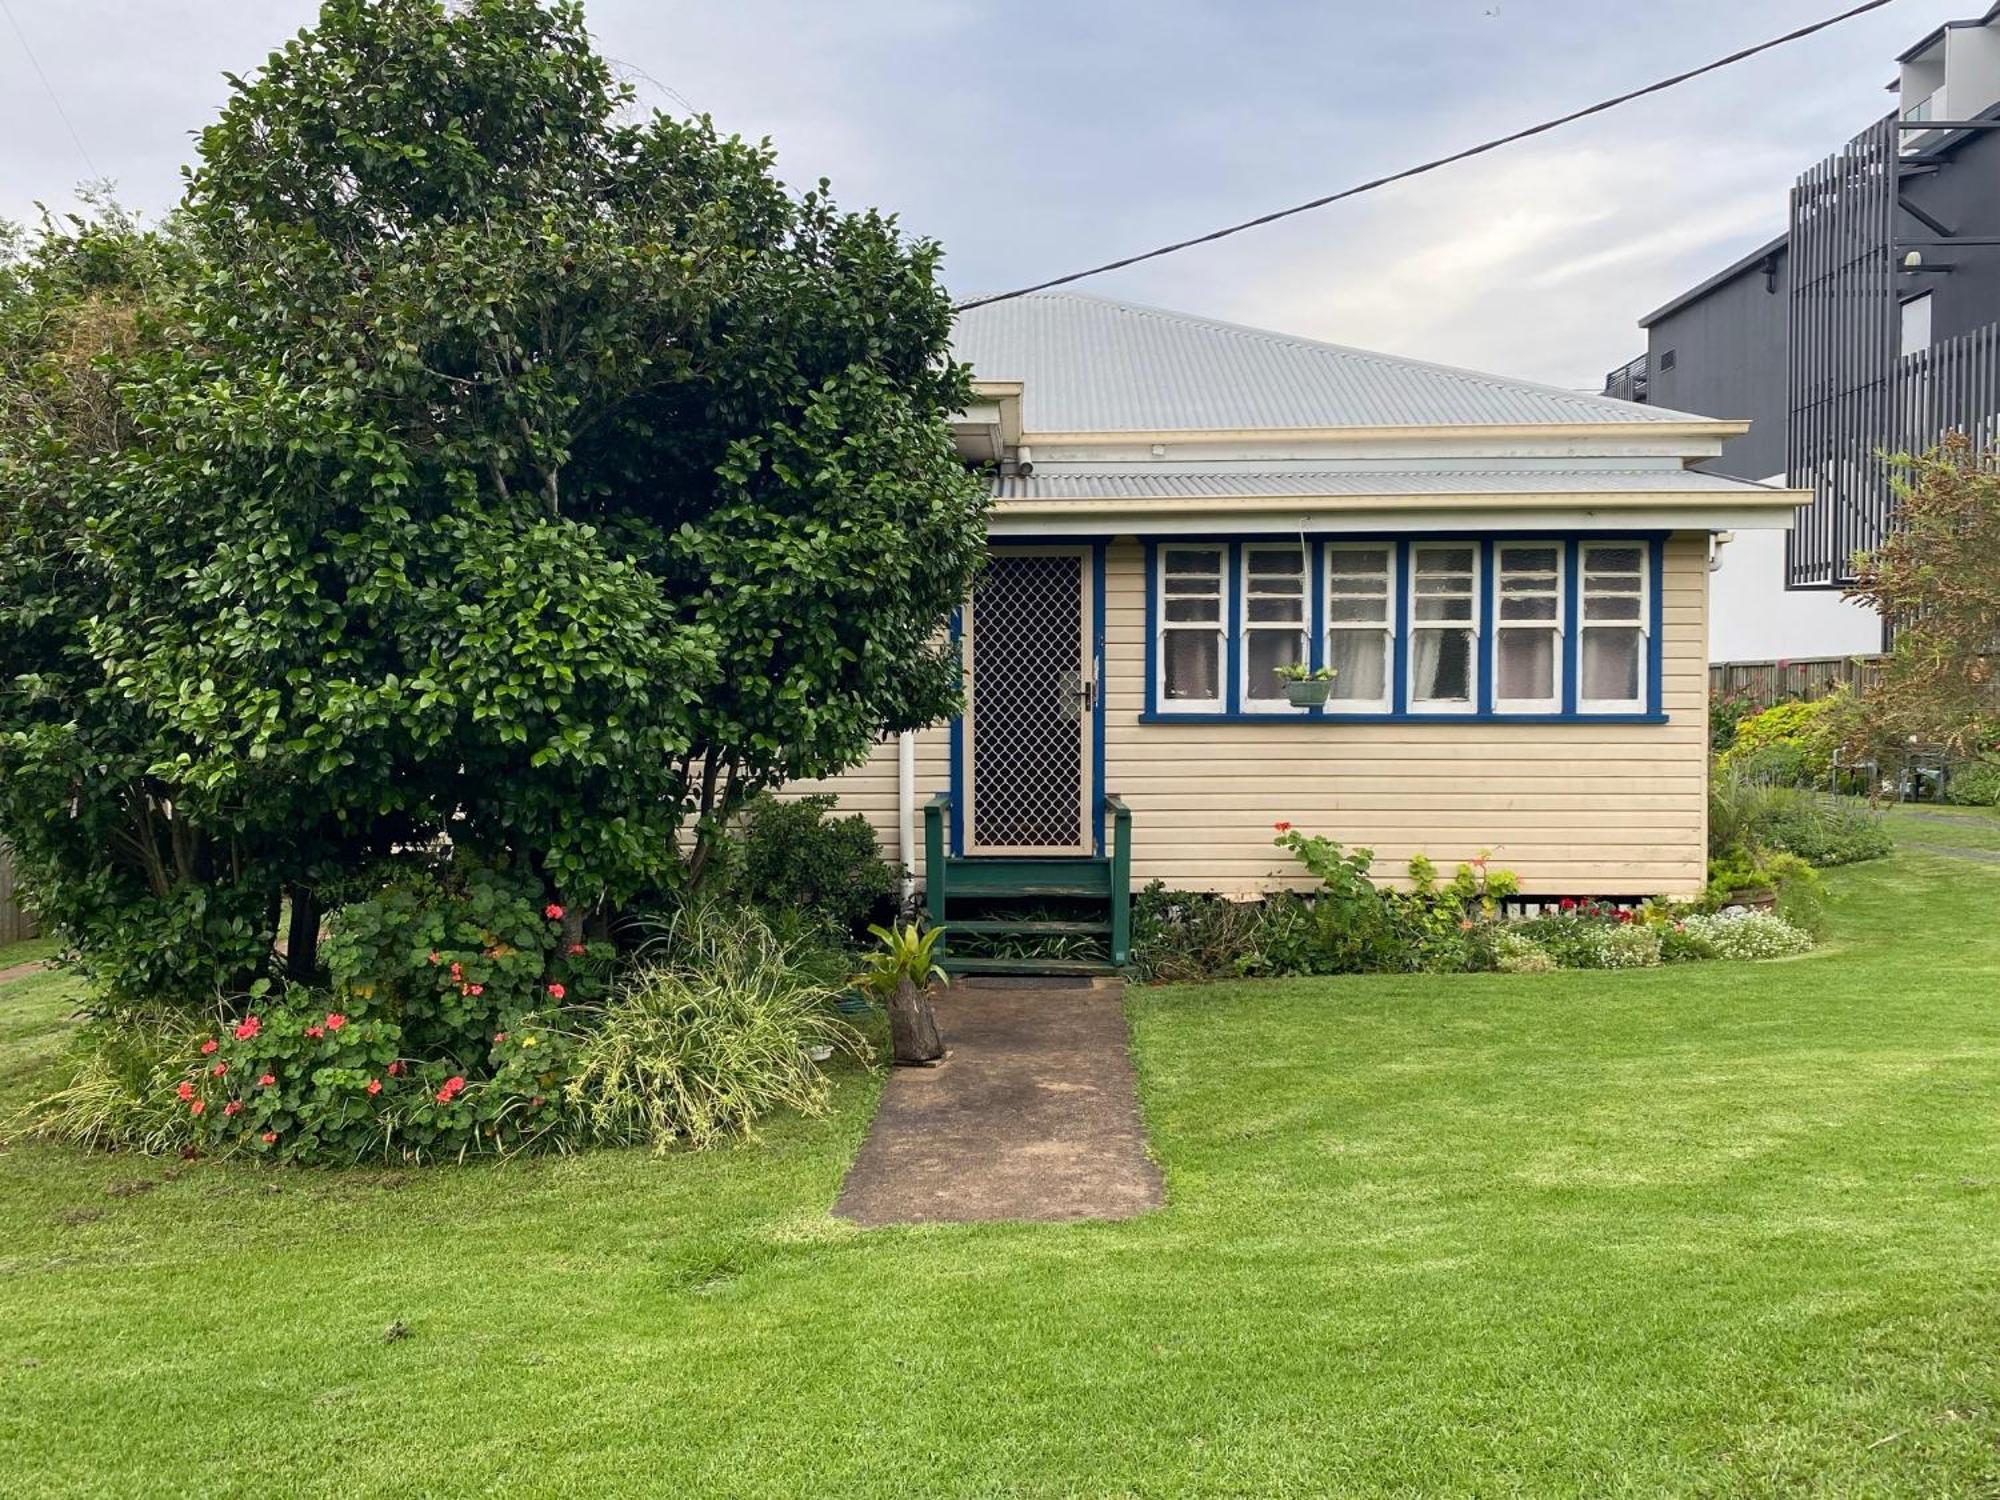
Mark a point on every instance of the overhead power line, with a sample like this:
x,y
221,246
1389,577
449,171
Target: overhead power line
x,y
1435,163
49,88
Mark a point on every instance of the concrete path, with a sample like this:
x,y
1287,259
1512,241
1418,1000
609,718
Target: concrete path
x,y
1033,1114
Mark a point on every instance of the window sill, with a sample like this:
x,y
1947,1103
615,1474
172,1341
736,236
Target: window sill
x,y
1316,716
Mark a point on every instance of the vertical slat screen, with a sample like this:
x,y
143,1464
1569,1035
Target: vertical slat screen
x,y
15,923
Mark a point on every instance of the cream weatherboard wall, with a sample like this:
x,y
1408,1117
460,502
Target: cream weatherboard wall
x,y
1572,808
870,789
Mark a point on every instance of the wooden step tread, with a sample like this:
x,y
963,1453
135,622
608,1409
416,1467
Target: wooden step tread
x,y
1012,927
954,964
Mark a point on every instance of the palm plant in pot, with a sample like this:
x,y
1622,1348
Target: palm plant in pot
x,y
1306,687
898,971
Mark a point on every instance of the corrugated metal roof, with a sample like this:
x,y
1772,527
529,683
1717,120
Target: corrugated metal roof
x,y
1093,365
1129,484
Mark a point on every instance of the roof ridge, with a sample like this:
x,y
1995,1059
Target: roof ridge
x,y
1375,356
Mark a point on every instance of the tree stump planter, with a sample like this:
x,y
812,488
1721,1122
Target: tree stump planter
x,y
913,1027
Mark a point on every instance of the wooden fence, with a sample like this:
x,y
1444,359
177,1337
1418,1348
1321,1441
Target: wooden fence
x,y
1768,682
15,923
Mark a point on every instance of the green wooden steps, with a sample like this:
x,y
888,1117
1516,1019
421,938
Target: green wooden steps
x,y
1096,882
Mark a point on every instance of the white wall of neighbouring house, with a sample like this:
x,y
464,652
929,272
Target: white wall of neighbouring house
x,y
1754,617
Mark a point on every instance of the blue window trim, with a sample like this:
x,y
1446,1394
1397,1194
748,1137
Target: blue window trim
x,y
1484,712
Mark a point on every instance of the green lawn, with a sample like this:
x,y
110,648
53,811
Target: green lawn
x,y
1716,1230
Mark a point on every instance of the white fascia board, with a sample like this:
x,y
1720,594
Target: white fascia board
x,y
1679,443
1099,519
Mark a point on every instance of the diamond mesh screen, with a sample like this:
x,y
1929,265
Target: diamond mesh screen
x,y
1027,703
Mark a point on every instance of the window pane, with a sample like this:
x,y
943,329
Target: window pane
x,y
1528,560
1258,562
1613,559
1265,651
1194,664
1453,560
1443,666
1528,607
1444,609
1345,561
1611,657
1194,560
1182,611
1527,666
1363,611
1359,659
1619,607
1277,611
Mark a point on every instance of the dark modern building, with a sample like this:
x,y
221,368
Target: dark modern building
x,y
1872,324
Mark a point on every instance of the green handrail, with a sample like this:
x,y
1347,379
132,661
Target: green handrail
x,y
1121,880
937,813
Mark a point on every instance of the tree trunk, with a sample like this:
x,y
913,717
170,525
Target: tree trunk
x,y
913,1027
302,937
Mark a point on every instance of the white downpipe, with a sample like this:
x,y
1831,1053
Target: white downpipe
x,y
906,810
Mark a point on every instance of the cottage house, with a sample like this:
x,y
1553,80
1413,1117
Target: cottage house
x,y
1509,581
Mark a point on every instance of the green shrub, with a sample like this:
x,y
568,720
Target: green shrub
x,y
1976,783
1724,714
451,956
794,857
1746,817
1186,937
1789,741
1749,935
713,1028
1517,953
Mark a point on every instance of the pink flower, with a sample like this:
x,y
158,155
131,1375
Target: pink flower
x,y
267,1080
335,1020
453,1087
556,991
435,955
250,1027
209,1046
499,1036
197,1107
552,912
396,1068
374,1087
576,950
269,1137
185,1091
475,989
315,1032
233,1107
218,1070
457,972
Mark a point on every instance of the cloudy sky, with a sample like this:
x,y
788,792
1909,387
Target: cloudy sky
x,y
1033,138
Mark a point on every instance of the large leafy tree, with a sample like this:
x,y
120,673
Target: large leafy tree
x,y
1936,580
497,462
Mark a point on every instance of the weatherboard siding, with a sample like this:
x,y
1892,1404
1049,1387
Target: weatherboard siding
x,y
870,789
1572,808
1576,808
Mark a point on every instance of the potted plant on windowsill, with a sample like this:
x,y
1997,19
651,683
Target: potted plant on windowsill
x,y
1305,686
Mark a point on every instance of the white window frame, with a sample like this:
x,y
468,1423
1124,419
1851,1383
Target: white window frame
x,y
1644,624
1387,629
1559,627
1476,657
1220,702
1280,704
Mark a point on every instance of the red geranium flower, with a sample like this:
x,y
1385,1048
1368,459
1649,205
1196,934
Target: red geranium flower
x,y
335,1020
453,1087
197,1107
456,971
576,950
267,1080
315,1032
1282,827
552,912
185,1091
396,1068
1568,903
475,989
209,1046
218,1070
499,1036
250,1027
374,1087
233,1107
269,1137
557,991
